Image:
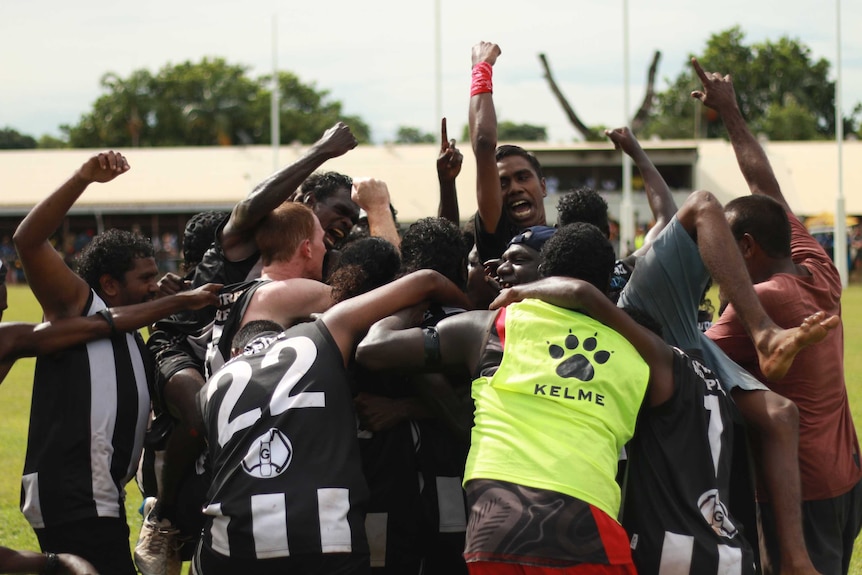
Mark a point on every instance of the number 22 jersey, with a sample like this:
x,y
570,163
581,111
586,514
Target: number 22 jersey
x,y
282,439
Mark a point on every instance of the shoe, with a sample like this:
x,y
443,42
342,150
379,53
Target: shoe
x,y
157,552
147,507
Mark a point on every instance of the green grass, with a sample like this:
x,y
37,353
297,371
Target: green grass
x,y
851,313
15,412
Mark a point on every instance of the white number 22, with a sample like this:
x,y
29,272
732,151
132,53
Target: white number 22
x,y
281,399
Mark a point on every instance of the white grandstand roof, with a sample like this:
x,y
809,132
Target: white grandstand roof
x,y
191,179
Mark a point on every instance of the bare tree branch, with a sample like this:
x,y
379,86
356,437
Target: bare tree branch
x,y
589,134
649,97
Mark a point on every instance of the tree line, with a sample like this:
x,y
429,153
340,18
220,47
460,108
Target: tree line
x,y
784,94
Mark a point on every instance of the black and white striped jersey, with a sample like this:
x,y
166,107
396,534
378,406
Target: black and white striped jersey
x,y
180,341
281,429
676,501
87,422
233,301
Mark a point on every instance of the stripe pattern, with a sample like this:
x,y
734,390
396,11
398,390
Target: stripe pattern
x,y
88,417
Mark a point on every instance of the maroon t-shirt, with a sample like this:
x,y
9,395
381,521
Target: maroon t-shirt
x,y
828,447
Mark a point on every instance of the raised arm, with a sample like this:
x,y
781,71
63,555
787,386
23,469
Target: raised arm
x,y
483,136
372,195
237,238
448,167
658,194
579,295
58,289
718,94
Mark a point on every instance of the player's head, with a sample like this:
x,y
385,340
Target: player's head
x,y
479,291
120,266
584,205
519,264
253,330
579,251
199,235
328,193
292,233
523,185
511,151
764,220
435,244
365,264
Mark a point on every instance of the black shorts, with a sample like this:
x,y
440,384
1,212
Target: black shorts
x,y
830,527
208,562
171,360
103,541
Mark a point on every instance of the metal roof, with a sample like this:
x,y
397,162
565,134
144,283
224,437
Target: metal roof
x,y
164,180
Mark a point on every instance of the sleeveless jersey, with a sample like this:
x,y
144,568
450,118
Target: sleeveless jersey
x,y
233,301
282,440
560,407
180,341
679,475
395,522
414,493
191,329
87,421
442,454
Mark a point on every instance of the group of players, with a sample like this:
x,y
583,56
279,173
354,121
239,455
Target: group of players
x,y
575,420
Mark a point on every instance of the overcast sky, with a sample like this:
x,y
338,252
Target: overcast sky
x,y
377,56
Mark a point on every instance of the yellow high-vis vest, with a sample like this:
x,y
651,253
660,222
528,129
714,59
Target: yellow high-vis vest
x,y
560,407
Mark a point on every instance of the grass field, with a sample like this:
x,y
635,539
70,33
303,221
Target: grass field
x,y
15,412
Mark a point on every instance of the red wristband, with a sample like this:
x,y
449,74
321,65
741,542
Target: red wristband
x,y
481,83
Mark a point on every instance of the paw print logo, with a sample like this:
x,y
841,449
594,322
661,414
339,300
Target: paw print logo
x,y
578,365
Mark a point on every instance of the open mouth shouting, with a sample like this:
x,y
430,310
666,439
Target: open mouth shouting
x,y
520,209
333,237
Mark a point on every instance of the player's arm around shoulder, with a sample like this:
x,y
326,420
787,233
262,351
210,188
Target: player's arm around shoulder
x,y
395,343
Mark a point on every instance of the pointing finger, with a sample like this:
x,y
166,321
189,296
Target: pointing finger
x,y
698,70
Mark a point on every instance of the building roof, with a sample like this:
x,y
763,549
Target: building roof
x,y
806,171
192,179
